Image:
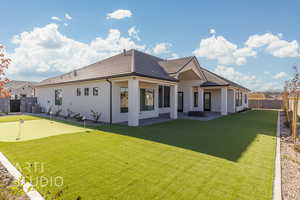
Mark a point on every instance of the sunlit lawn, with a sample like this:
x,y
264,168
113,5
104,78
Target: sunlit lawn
x,y
230,158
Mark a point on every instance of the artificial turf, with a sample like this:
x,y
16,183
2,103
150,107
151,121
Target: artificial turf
x,y
228,158
14,118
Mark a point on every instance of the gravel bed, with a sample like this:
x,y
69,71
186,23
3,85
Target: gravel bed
x,y
6,180
290,164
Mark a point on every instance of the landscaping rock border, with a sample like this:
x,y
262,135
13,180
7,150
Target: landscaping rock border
x,y
11,173
290,164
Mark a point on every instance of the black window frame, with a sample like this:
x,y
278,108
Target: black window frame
x,y
86,91
58,97
143,95
95,91
196,99
124,93
78,92
160,96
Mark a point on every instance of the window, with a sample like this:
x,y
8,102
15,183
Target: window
x,y
58,97
86,91
237,97
160,96
95,91
146,99
124,100
241,98
164,96
246,98
78,91
195,99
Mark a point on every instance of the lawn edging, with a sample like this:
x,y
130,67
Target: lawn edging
x,y
27,187
277,174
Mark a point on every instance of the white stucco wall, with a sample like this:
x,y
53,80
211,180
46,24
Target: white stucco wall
x,y
83,104
79,104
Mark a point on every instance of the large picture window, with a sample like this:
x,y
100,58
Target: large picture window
x,y
146,99
58,97
123,100
164,96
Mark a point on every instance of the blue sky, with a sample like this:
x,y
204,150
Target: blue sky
x,y
254,43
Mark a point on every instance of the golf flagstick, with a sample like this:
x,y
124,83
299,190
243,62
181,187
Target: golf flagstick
x,y
21,121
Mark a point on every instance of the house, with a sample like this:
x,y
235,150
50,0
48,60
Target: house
x,y
18,89
134,85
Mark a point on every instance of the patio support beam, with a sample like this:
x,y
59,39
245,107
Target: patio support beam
x,y
133,102
174,99
224,101
200,98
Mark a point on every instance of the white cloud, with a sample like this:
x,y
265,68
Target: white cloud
x,y
56,18
225,52
161,48
119,14
65,24
274,45
173,56
249,81
280,75
45,52
212,31
67,16
133,32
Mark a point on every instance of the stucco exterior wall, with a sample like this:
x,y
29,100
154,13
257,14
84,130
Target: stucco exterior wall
x,y
79,104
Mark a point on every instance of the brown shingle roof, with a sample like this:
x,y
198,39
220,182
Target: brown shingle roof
x,y
134,62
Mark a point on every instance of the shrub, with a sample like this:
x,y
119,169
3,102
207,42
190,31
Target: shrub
x,y
69,113
96,115
78,117
49,110
58,112
287,124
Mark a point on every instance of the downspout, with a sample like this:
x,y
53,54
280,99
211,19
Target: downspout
x,y
110,101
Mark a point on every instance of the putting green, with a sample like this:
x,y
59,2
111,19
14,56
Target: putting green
x,y
34,129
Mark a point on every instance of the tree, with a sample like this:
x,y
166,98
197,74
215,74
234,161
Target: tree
x,y
4,63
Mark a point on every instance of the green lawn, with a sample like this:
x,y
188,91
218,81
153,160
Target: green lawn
x,y
14,118
230,158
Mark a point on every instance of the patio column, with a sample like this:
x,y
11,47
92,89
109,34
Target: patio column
x,y
234,93
133,102
174,99
190,98
224,101
200,98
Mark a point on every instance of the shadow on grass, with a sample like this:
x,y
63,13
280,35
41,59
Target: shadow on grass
x,y
226,137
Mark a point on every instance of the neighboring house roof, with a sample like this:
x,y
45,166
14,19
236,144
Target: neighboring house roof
x,y
137,63
257,95
14,85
